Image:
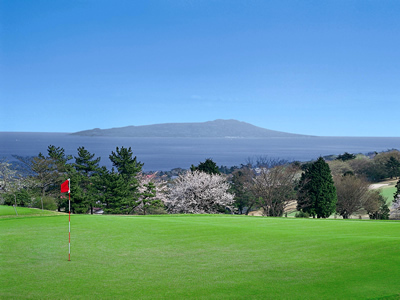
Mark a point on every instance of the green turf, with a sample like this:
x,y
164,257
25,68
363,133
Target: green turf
x,y
9,211
388,193
200,257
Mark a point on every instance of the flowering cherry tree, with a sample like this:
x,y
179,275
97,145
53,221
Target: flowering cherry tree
x,y
153,191
395,212
197,192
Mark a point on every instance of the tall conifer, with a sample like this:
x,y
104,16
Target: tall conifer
x,y
86,168
317,192
128,168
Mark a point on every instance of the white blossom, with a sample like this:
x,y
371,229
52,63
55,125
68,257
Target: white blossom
x,y
161,187
160,190
396,204
198,192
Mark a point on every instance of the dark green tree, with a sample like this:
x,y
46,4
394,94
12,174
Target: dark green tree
x,y
126,165
87,168
85,163
19,198
317,192
79,197
128,168
393,167
148,198
115,194
241,182
346,156
208,166
58,154
397,192
60,160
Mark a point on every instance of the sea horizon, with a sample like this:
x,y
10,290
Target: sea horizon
x,y
164,154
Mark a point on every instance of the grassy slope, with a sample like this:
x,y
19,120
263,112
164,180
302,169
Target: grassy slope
x,y
199,257
388,193
9,211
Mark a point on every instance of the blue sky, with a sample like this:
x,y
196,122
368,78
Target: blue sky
x,y
327,68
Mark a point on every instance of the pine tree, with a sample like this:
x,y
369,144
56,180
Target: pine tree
x,y
128,169
241,183
148,197
393,167
58,154
209,167
85,193
317,192
126,164
60,159
85,163
114,193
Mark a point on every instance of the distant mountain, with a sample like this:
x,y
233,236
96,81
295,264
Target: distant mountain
x,y
211,129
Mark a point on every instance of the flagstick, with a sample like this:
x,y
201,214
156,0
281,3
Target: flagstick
x,y
69,226
69,219
64,189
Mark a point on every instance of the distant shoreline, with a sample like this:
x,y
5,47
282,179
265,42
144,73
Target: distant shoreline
x,y
225,137
164,154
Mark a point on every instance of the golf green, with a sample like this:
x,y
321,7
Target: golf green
x,y
198,256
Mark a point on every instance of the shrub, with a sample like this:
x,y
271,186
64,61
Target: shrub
x,y
49,203
156,211
21,197
302,214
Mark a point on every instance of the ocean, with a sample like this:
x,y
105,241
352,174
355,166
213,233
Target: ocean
x,y
165,154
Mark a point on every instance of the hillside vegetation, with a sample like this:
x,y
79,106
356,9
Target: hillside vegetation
x,y
339,185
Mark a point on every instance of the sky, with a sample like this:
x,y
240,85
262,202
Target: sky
x,y
328,68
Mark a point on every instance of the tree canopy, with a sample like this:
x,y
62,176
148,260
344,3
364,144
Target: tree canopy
x,y
199,192
317,192
208,166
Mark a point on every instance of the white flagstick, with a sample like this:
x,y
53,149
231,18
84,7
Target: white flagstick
x,y
69,221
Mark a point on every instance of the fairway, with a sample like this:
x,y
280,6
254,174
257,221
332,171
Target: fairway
x,y
388,193
11,212
198,256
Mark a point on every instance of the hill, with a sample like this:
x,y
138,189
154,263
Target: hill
x,y
211,129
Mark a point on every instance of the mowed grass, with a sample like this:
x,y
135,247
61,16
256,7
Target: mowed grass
x,y
9,211
388,193
198,257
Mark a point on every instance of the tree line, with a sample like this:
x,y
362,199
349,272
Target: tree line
x,y
319,189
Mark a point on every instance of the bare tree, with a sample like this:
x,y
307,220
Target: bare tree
x,y
42,173
352,194
375,205
263,161
275,188
339,167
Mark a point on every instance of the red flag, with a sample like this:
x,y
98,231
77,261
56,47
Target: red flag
x,y
65,186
